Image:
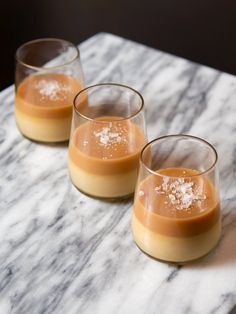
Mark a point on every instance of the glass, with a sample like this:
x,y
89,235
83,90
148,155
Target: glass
x,y
176,213
47,78
107,135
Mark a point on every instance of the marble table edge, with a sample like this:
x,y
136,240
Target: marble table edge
x,y
108,34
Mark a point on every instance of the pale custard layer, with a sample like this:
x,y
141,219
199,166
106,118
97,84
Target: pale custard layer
x,y
98,185
175,249
43,129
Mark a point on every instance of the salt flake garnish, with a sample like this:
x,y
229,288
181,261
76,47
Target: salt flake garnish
x,y
106,136
141,193
179,192
51,89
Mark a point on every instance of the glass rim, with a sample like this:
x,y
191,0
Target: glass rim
x,y
179,136
47,39
107,84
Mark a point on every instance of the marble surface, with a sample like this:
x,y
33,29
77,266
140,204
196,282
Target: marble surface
x,y
62,252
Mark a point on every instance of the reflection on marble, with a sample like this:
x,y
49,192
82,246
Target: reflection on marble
x,y
62,252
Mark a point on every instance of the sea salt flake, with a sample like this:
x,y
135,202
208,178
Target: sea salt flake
x,y
165,183
172,197
104,139
181,180
141,193
158,190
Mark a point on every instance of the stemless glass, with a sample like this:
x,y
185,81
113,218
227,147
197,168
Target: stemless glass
x,y
107,135
47,78
176,214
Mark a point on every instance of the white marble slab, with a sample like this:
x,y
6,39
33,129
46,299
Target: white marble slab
x,y
62,252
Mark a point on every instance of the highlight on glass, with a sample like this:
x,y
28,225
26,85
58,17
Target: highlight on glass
x,y
48,76
108,133
176,213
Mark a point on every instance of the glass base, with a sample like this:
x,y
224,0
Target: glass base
x,y
63,143
108,199
192,261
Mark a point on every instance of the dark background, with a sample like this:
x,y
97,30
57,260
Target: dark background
x,y
199,30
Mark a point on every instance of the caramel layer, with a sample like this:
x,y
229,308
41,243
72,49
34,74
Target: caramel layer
x,y
154,209
107,146
47,95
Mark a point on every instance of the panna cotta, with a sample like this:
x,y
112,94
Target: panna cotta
x,y
176,215
43,106
104,157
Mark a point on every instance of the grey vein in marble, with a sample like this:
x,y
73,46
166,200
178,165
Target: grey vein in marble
x,y
62,252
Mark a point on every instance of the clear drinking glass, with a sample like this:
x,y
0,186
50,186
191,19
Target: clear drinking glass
x,y
176,214
107,135
47,78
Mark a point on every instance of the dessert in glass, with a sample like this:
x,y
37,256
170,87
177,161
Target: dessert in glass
x,y
47,78
176,214
107,136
